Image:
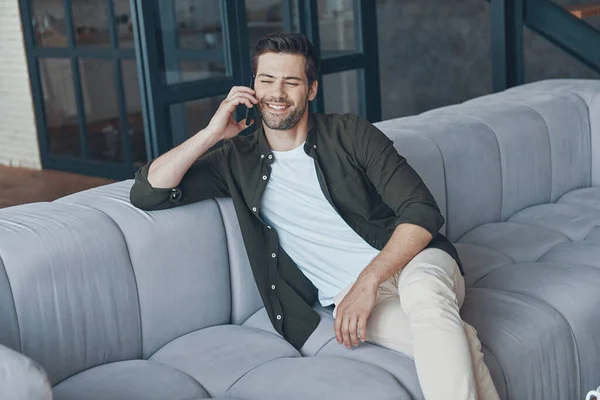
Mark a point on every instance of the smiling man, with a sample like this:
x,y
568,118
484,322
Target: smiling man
x,y
329,211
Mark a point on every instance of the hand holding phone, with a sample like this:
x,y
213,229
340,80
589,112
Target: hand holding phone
x,y
223,123
248,113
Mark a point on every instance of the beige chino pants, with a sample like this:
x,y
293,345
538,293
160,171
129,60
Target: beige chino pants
x,y
417,313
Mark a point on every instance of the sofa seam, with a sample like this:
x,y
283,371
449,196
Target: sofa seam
x,y
437,146
229,258
12,296
255,367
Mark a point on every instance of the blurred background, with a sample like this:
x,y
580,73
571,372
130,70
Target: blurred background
x,y
99,87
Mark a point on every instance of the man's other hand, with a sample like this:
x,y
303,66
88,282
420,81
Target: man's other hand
x,y
353,312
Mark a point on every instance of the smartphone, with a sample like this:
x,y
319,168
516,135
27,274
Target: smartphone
x,y
248,109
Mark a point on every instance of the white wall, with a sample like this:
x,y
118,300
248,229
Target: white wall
x,y
18,134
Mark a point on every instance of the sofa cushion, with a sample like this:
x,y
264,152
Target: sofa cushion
x,y
245,298
130,380
73,286
573,221
399,365
322,343
594,235
522,139
567,121
318,378
9,327
479,261
220,355
585,196
572,292
179,258
589,91
531,342
520,242
586,252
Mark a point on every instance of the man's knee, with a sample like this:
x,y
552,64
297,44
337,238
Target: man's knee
x,y
426,286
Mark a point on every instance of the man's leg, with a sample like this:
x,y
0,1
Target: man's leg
x,y
446,350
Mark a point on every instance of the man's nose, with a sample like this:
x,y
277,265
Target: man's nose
x,y
279,91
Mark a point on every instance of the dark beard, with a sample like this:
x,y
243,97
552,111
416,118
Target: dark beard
x,y
281,124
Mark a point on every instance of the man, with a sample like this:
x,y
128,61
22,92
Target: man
x,y
328,209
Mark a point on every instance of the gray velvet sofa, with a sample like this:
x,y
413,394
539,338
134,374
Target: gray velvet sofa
x,y
121,304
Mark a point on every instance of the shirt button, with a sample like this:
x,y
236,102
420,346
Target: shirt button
x,y
270,156
314,146
279,317
269,227
273,287
273,255
253,209
264,177
262,156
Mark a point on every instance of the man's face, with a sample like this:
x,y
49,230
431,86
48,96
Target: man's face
x,y
282,90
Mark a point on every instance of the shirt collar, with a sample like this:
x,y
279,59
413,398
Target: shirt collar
x,y
263,145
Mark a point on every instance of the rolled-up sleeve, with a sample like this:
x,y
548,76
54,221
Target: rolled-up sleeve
x,y
398,184
203,180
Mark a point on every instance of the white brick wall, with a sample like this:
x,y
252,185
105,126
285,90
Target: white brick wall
x,y
18,134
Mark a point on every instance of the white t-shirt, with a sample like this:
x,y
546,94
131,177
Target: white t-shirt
x,y
310,231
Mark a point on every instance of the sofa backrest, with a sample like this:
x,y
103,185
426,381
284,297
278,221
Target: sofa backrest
x,y
90,279
179,259
500,153
68,295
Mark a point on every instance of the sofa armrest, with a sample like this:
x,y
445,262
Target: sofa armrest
x,y
21,378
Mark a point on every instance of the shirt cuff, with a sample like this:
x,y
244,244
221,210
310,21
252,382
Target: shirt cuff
x,y
424,215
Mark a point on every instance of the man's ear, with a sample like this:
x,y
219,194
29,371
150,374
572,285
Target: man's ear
x,y
312,92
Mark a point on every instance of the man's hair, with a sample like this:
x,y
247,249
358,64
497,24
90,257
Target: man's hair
x,y
288,43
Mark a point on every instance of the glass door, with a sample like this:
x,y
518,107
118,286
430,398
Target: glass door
x,y
84,84
192,52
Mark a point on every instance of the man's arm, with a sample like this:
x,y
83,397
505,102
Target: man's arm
x,y
354,310
186,173
179,177
418,220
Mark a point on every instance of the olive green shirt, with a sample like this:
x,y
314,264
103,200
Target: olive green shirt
x,y
361,174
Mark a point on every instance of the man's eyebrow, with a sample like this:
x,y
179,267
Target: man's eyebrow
x,y
294,78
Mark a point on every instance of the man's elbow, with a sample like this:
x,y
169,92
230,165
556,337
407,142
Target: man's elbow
x,y
424,215
144,200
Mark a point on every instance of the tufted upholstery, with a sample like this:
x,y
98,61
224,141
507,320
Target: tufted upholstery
x,y
114,302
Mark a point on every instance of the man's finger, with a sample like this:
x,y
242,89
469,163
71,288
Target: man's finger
x,y
352,331
362,328
346,332
242,123
239,89
337,326
245,98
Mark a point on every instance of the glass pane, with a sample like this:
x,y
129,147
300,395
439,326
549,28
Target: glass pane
x,y
194,70
135,119
101,109
266,16
193,116
192,35
124,24
90,22
198,23
60,107
48,21
341,92
336,26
